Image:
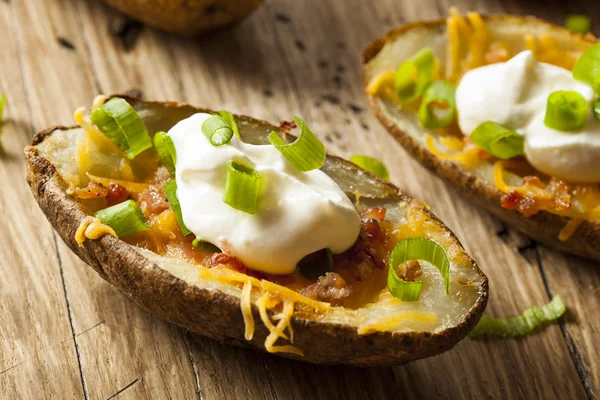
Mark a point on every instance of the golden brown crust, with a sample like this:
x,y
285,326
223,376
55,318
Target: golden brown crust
x,y
185,17
543,227
213,313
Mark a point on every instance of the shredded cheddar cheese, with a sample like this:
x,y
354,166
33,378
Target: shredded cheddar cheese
x,y
92,228
277,331
389,322
467,156
134,187
273,295
246,306
569,229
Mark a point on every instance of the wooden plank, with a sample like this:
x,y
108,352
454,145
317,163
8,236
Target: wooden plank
x,y
118,343
37,355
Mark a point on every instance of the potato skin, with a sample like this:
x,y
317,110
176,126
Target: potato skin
x,y
186,17
543,227
215,314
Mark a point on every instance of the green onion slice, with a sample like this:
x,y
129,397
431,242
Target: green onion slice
x,y
119,122
228,117
566,110
125,218
498,140
587,68
418,248
596,107
520,325
306,153
163,144
2,102
217,130
413,75
242,187
372,165
316,264
170,189
578,23
204,246
438,107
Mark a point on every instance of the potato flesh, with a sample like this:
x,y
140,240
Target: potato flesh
x,y
434,312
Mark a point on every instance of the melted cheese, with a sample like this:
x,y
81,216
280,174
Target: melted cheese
x,y
277,331
467,156
390,322
92,228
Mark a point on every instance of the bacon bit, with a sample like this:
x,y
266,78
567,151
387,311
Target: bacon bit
x,y
287,126
116,194
412,270
226,260
375,213
554,196
92,191
153,200
330,287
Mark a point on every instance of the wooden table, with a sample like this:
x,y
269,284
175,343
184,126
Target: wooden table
x,y
65,333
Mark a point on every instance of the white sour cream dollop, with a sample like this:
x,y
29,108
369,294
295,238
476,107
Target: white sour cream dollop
x,y
514,94
298,212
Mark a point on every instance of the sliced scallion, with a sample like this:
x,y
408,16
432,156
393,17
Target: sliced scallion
x,y
438,107
520,325
596,107
419,249
413,75
163,144
217,130
566,110
125,218
587,68
578,23
242,187
306,153
229,118
498,140
204,246
119,122
372,165
170,189
316,264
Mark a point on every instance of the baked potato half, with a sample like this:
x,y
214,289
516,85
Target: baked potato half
x,y
478,41
184,17
211,301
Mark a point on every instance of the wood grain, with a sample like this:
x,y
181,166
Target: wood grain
x,y
74,336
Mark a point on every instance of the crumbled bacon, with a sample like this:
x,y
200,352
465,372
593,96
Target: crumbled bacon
x,y
226,260
153,200
412,270
553,196
287,126
330,287
116,194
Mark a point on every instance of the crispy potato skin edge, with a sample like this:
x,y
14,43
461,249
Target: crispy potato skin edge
x,y
543,227
216,314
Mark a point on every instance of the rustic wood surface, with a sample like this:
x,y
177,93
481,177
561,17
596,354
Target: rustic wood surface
x,y
65,333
